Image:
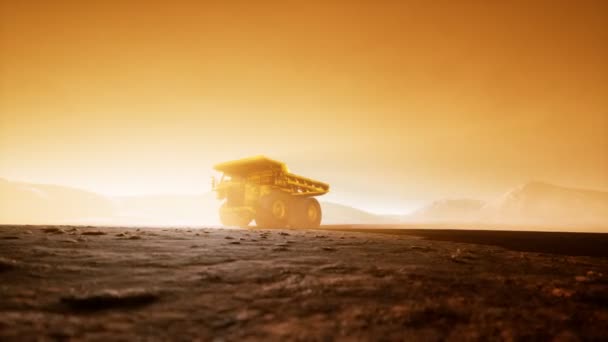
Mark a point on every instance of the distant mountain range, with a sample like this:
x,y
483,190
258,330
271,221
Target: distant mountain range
x,y
533,203
25,203
539,202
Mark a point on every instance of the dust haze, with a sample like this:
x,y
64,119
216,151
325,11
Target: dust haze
x,y
395,105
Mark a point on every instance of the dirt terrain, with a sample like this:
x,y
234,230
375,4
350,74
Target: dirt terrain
x,y
61,283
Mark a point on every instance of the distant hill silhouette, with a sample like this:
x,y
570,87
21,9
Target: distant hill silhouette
x,y
539,202
532,203
448,209
25,203
168,209
334,213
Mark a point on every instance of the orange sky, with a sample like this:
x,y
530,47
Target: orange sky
x,y
390,102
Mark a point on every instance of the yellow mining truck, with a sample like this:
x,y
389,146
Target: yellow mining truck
x,y
262,189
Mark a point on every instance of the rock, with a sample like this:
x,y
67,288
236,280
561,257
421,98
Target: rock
x,y
566,336
562,293
7,264
246,315
420,248
109,299
93,232
53,230
461,256
210,277
590,276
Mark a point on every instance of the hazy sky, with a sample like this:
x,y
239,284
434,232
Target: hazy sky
x,y
392,102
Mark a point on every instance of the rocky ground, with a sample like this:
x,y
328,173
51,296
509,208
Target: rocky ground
x,y
99,283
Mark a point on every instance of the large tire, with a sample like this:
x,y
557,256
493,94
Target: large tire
x,y
306,213
234,218
273,211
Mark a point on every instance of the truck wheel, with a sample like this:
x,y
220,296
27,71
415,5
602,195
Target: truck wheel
x,y
273,211
234,218
306,213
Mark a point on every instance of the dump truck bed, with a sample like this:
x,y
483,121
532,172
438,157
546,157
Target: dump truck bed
x,y
302,186
297,185
247,166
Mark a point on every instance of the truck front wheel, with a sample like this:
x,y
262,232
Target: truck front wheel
x,y
234,218
273,211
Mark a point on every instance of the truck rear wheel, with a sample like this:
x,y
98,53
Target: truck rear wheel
x,y
234,218
273,211
306,213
